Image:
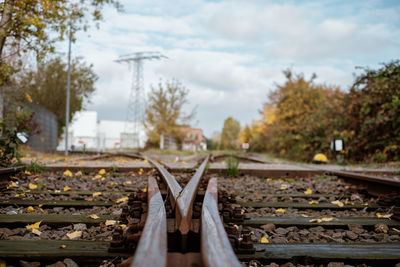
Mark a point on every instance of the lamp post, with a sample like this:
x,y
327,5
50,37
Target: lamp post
x,y
68,92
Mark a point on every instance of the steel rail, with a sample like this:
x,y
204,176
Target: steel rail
x,y
248,158
364,177
152,246
173,186
216,249
186,199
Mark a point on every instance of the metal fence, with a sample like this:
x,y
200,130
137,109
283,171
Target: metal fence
x,y
47,138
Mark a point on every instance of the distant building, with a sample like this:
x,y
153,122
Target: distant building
x,y
86,131
194,140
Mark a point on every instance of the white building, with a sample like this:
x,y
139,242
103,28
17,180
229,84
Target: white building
x,y
93,134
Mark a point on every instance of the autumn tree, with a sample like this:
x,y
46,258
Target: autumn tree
x,y
373,110
164,113
230,134
46,86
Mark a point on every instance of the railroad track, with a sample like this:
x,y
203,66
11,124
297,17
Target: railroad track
x,y
180,224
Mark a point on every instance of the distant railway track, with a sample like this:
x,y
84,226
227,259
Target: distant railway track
x,y
176,224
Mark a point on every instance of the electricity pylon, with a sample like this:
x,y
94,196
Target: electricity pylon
x,y
137,103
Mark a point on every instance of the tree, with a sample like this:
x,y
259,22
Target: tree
x,y
46,86
164,114
373,110
230,134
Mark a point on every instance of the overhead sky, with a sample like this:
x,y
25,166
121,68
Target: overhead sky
x,y
230,54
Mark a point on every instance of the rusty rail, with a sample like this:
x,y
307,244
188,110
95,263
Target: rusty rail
x,y
173,186
186,199
248,158
152,246
216,249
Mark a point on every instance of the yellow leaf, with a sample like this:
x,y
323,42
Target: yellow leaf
x,y
57,191
313,202
315,220
68,173
264,239
42,211
74,234
32,186
94,216
36,231
145,160
144,190
110,222
67,188
28,173
383,216
396,230
327,219
36,179
102,172
16,195
14,177
308,191
103,179
337,202
348,202
123,199
123,226
284,186
128,182
280,210
28,97
304,215
30,209
40,205
33,226
269,179
12,184
63,246
96,194
112,184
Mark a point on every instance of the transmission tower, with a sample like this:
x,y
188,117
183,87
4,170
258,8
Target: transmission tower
x,y
137,103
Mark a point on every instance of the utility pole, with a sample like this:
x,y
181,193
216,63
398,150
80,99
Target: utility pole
x,y
68,92
136,105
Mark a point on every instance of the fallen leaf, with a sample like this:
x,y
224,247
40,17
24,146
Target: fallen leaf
x,y
102,172
97,176
36,231
74,234
396,230
144,190
337,202
284,186
30,209
32,186
112,184
67,188
269,179
110,222
123,226
308,191
280,210
63,246
12,184
33,226
40,205
103,178
327,219
123,199
315,220
94,216
264,239
383,216
36,179
128,182
28,173
67,173
304,215
57,191
14,177
16,195
96,194
28,97
348,202
313,202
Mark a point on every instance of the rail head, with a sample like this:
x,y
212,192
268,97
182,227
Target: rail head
x,y
152,246
173,186
216,249
186,199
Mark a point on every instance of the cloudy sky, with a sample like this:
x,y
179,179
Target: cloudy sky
x,y
230,54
